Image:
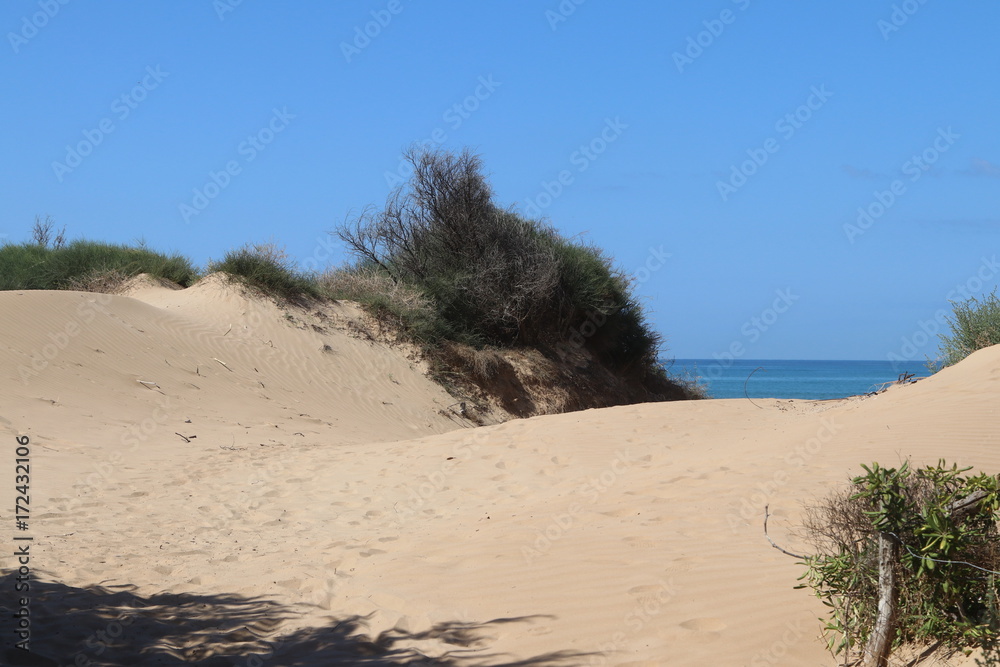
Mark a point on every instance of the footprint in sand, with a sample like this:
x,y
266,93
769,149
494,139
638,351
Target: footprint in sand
x,y
649,594
707,628
639,543
685,563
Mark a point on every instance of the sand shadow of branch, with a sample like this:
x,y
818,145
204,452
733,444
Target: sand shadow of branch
x,y
112,625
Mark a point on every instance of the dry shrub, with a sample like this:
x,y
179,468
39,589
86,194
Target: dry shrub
x,y
483,364
104,281
362,285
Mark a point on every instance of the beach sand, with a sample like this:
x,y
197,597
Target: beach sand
x,y
215,482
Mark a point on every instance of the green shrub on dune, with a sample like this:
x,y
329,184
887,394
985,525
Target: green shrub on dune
x,y
32,266
267,268
495,277
974,324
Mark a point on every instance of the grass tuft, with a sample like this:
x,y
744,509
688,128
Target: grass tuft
x,y
974,324
268,269
31,266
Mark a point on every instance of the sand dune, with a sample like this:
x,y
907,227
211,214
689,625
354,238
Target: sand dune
x,y
325,507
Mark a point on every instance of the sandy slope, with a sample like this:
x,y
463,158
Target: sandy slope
x,y
324,486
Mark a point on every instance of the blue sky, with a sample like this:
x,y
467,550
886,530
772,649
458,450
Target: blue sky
x,y
719,150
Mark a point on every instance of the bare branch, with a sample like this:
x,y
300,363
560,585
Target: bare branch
x,y
787,553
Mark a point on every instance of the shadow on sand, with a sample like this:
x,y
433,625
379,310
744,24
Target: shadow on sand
x,y
104,626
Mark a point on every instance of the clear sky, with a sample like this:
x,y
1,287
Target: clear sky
x,y
720,150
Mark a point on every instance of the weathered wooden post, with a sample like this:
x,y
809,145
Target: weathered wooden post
x,y
879,646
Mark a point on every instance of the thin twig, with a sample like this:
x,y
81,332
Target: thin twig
x,y
148,384
938,560
223,363
759,368
787,553
186,439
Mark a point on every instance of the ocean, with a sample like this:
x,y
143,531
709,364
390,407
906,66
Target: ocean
x,y
783,378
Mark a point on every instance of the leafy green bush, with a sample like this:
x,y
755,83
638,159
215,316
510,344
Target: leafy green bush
x,y
493,277
268,269
34,266
974,325
947,550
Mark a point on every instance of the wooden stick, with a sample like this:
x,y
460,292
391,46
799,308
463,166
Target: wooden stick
x,y
787,553
223,364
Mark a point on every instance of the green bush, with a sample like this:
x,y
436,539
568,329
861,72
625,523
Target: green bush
x,y
974,325
493,277
946,556
34,266
268,269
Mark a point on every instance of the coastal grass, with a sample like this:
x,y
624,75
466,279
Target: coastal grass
x,y
268,269
974,324
401,306
32,266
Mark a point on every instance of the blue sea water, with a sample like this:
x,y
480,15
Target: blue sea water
x,y
782,378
